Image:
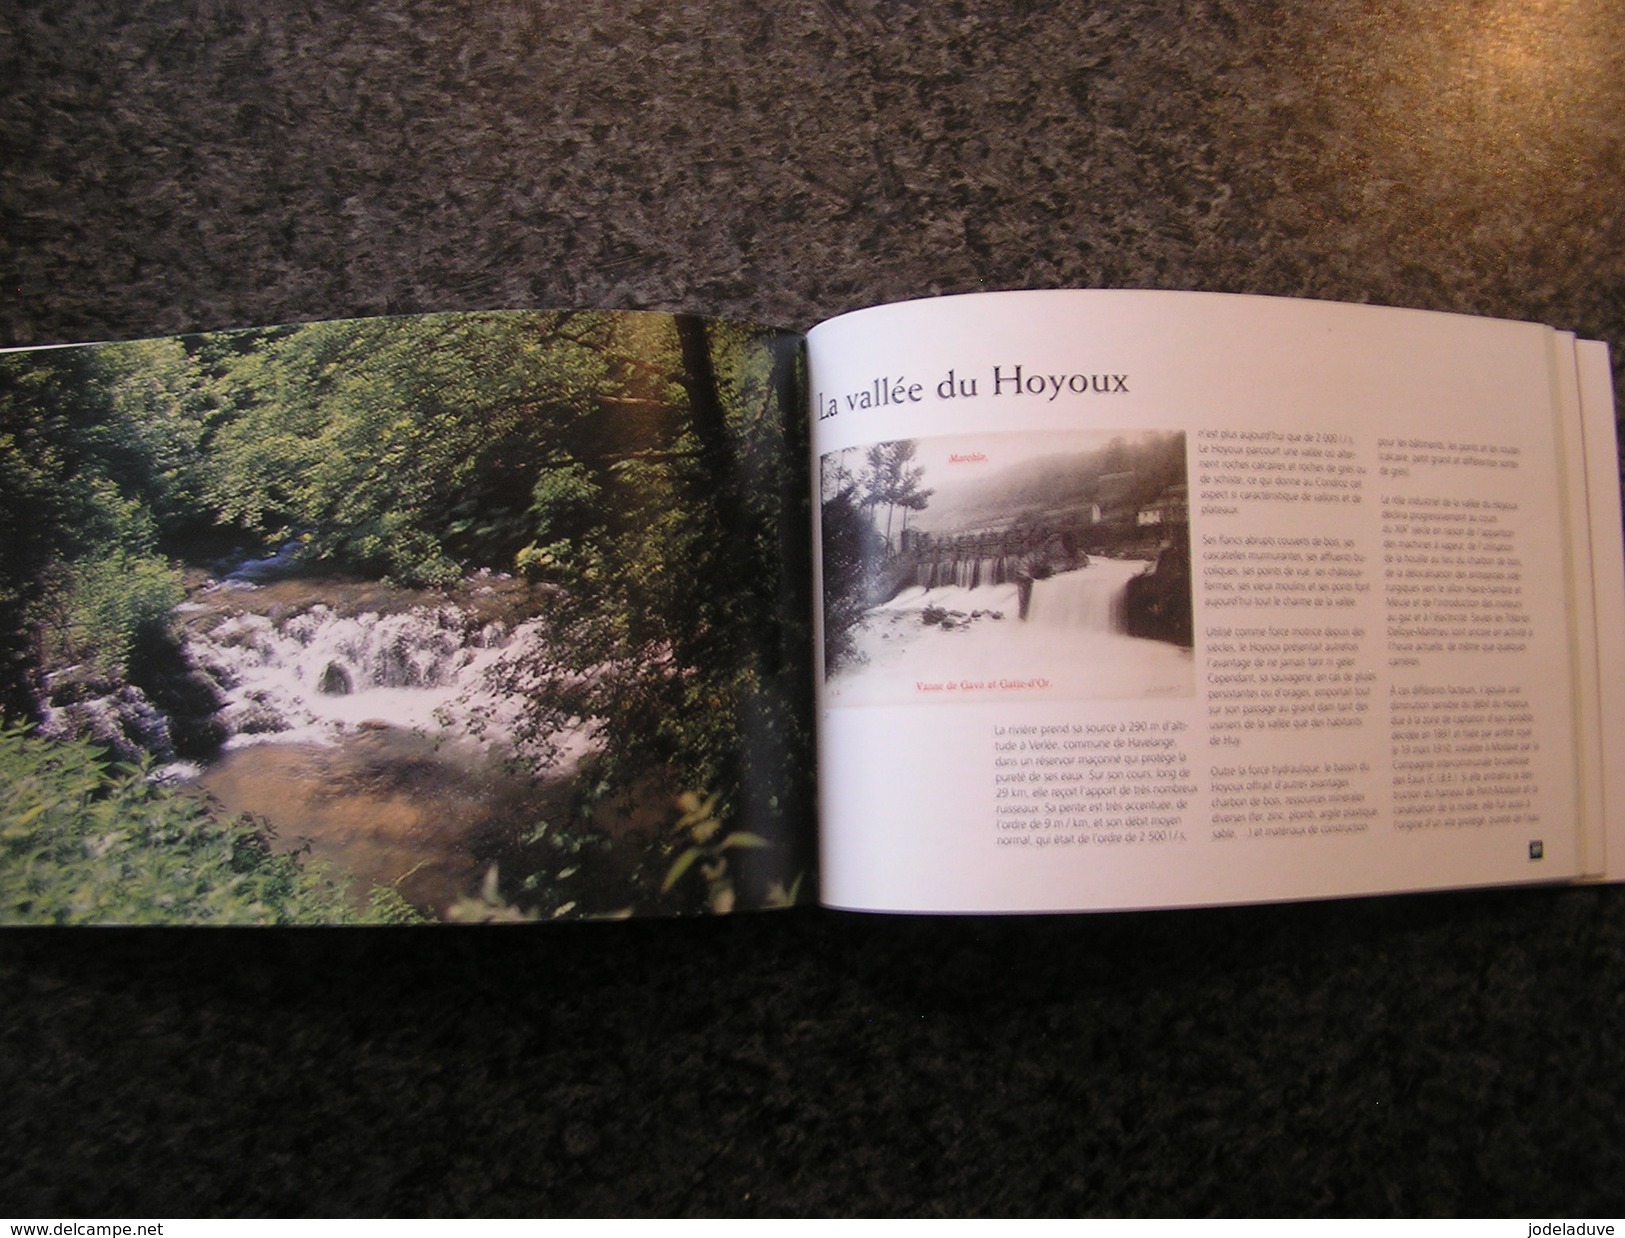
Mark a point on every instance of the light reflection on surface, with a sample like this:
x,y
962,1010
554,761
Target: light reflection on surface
x,y
1417,137
1508,85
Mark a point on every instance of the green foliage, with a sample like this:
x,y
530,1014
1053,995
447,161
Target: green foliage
x,y
163,406
704,852
564,501
101,459
673,540
111,605
781,896
645,472
406,447
84,842
488,907
577,872
543,563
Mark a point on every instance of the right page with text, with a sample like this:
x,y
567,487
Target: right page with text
x,y
1137,599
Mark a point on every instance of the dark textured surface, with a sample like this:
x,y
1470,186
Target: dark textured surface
x,y
171,166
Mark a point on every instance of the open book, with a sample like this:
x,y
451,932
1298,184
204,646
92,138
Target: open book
x,y
1015,602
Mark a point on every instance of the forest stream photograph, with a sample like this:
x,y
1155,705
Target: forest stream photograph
x,y
451,618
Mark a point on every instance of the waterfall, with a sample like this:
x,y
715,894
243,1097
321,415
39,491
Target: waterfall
x,y
317,674
1091,598
968,572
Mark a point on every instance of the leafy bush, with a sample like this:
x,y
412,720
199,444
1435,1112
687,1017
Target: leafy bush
x,y
705,850
113,604
85,842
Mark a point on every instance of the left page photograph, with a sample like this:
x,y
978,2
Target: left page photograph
x,y
452,618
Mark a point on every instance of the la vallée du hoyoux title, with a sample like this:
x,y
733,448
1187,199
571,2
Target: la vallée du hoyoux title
x,y
1014,380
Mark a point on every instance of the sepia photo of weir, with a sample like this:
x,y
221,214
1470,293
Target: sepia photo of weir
x,y
1058,563
1153,602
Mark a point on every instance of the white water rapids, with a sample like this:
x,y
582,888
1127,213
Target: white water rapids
x,y
319,675
375,736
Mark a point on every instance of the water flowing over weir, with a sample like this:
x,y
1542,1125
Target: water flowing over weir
x,y
970,572
1076,642
1089,598
1093,598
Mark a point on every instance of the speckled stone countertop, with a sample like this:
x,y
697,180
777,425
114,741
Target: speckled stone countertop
x,y
181,166
211,163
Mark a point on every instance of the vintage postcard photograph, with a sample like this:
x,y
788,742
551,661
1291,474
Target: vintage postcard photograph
x,y
1051,565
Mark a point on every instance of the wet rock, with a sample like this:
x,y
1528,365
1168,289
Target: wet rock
x,y
186,694
334,681
123,722
255,717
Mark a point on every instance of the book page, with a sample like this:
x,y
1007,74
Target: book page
x,y
1139,599
461,617
1600,459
